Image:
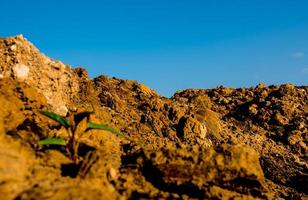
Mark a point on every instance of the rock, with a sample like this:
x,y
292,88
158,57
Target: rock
x,y
192,131
280,119
11,106
261,86
13,47
21,71
202,101
286,89
176,112
264,94
224,101
253,109
224,90
145,90
81,72
15,167
62,110
227,168
211,120
113,174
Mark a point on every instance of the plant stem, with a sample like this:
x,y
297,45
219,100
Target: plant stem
x,y
73,146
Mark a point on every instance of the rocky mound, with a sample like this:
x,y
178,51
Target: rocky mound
x,y
223,143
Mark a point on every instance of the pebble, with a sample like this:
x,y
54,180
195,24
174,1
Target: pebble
x,y
280,119
21,71
203,131
62,110
253,109
13,47
113,173
261,86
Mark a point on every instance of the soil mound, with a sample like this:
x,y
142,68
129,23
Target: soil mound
x,y
223,143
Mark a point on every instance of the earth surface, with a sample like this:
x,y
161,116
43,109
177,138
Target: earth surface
x,y
222,143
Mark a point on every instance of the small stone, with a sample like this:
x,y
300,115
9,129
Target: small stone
x,y
203,131
227,91
81,72
223,101
290,86
264,94
113,173
1,76
13,47
280,119
21,71
62,110
73,109
20,37
57,65
261,86
189,129
253,109
268,103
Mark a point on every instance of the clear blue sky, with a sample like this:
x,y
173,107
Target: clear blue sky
x,y
170,44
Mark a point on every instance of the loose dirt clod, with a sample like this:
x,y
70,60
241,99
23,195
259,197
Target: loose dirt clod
x,y
223,143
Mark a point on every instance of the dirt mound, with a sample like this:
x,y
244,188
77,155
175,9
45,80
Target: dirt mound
x,y
223,143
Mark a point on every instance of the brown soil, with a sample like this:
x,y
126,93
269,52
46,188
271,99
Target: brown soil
x,y
223,143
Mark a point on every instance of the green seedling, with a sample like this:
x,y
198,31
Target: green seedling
x,y
78,125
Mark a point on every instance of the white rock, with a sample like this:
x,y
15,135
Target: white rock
x,y
20,36
113,173
13,47
21,71
1,76
203,131
62,110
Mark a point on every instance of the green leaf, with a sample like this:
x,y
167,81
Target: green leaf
x,y
104,127
64,122
52,141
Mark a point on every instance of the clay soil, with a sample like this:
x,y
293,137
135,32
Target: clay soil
x,y
222,143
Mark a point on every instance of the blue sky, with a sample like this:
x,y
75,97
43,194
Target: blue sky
x,y
170,44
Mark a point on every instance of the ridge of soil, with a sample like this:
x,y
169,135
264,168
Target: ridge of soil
x,y
222,143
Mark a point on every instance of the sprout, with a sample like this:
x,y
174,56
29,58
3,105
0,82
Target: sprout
x,y
75,128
